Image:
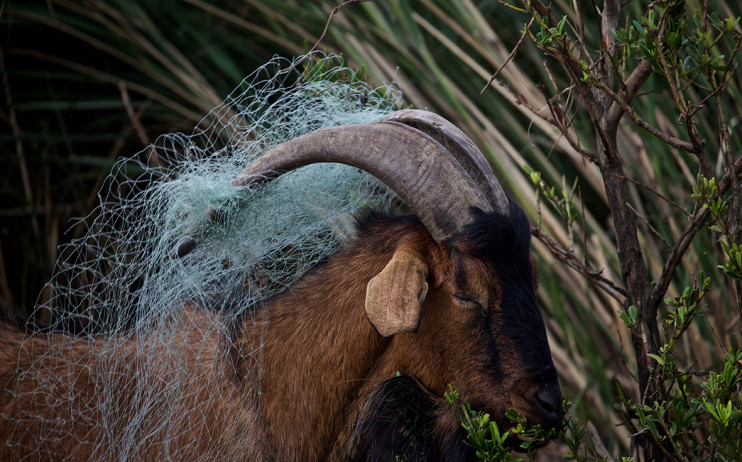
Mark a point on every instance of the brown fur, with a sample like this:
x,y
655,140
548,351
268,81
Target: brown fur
x,y
73,372
321,360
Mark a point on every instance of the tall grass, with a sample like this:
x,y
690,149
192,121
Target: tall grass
x,y
86,81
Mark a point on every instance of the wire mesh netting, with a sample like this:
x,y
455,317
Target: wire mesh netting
x,y
131,364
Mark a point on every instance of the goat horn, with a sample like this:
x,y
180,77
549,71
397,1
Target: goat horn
x,y
418,168
461,147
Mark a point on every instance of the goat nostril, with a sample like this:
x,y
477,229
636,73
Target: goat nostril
x,y
550,398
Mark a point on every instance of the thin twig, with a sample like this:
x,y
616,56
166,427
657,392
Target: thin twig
x,y
579,32
658,194
558,117
690,127
734,210
569,259
551,78
324,32
521,100
509,58
623,105
543,12
699,105
5,291
575,71
584,231
649,225
600,449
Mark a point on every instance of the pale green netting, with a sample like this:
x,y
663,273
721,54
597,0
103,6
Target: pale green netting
x,y
122,283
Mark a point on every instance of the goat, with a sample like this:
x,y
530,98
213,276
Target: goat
x,y
445,297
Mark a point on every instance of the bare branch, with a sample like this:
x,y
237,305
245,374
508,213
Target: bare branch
x,y
609,22
632,85
699,105
644,220
690,126
668,139
324,32
551,78
656,193
543,12
521,100
557,121
571,260
136,122
510,56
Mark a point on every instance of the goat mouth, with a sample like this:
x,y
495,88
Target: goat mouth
x,y
540,403
540,426
546,423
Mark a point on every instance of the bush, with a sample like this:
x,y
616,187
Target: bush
x,y
689,55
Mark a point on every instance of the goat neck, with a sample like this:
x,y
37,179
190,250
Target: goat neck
x,y
321,325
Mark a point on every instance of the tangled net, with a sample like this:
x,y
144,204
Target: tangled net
x,y
122,287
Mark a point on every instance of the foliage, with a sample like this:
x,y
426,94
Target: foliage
x,y
685,54
484,435
486,438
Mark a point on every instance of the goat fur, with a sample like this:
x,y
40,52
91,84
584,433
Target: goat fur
x,y
323,362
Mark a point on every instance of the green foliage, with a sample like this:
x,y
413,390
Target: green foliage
x,y
483,434
691,421
682,310
562,200
664,38
489,441
733,265
630,317
493,445
707,192
372,97
549,35
692,56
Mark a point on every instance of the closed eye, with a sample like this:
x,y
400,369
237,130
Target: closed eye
x,y
469,302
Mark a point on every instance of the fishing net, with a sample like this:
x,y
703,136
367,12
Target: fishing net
x,y
141,323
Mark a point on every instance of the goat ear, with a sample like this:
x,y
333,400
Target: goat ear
x,y
395,295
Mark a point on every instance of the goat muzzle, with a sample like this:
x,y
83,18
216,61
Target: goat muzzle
x,y
540,402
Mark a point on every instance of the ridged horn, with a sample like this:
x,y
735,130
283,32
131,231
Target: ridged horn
x,y
461,147
417,167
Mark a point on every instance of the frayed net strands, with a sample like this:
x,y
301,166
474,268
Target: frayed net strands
x,y
126,300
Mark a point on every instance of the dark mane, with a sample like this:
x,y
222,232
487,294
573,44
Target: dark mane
x,y
396,423
497,238
376,223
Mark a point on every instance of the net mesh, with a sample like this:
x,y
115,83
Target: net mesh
x,y
146,360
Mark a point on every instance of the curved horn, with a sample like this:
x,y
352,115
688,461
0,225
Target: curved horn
x,y
418,168
462,148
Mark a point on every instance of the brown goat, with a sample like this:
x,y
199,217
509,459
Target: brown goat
x,y
447,299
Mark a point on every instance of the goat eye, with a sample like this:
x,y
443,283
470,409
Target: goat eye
x,y
469,302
